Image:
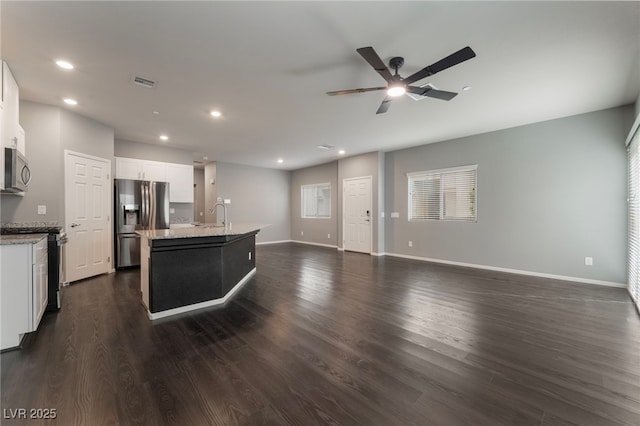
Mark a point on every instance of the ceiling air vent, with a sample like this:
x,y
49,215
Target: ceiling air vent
x,y
325,146
144,82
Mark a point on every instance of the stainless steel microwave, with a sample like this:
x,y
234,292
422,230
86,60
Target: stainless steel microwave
x,y
16,171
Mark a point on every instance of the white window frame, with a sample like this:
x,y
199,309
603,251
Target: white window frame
x,y
302,199
434,172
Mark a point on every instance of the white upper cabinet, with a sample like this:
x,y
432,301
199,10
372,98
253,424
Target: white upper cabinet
x,y
133,168
10,131
154,170
180,178
128,168
10,106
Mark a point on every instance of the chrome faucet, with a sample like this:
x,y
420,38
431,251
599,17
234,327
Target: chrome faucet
x,y
224,209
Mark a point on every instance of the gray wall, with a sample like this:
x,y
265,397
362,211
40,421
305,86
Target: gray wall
x,y
315,230
210,193
49,131
258,195
198,196
549,194
152,152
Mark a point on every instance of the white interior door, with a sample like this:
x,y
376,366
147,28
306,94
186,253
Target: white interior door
x,y
87,221
357,214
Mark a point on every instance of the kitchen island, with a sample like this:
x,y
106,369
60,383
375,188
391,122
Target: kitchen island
x,y
184,269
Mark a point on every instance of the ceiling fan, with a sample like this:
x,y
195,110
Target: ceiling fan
x,y
397,86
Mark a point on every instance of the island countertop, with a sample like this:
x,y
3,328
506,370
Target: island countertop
x,y
202,231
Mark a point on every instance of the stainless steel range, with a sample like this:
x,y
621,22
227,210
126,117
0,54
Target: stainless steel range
x,y
55,240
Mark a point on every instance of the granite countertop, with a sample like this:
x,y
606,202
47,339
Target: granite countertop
x,y
21,239
202,231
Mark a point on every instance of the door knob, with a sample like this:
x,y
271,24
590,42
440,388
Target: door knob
x,y
73,225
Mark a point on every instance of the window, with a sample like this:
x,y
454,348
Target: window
x,y
316,200
634,219
446,194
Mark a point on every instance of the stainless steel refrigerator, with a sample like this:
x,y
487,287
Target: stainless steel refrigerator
x,y
139,205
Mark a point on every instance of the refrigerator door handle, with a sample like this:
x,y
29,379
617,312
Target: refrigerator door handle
x,y
144,206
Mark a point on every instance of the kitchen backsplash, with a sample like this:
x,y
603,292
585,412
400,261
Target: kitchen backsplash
x,y
182,212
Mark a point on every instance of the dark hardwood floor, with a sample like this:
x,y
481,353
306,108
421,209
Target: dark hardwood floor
x,y
324,337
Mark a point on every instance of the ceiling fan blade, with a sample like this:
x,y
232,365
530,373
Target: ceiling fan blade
x,y
384,106
461,55
374,60
432,93
350,91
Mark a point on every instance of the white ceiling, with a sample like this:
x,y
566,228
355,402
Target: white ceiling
x,y
267,66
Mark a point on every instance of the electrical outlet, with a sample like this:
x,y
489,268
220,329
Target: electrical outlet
x,y
588,261
42,209
410,243
201,214
328,235
395,215
227,201
302,233
172,210
382,215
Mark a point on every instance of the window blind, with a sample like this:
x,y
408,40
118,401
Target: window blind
x,y
316,200
445,194
634,219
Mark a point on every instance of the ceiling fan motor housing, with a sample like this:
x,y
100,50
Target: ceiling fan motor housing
x,y
396,63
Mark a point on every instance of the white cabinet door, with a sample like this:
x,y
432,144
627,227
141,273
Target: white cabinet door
x,y
180,178
16,279
154,171
11,102
40,283
21,145
128,168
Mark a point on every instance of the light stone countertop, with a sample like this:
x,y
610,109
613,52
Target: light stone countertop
x,y
202,231
21,239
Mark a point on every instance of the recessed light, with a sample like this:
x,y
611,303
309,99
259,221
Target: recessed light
x,y
341,152
205,158
280,160
216,114
156,112
70,101
64,64
164,137
466,88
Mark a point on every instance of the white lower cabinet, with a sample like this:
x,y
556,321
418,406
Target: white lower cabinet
x,y
23,289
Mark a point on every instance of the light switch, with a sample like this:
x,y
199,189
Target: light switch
x,y
172,210
42,209
227,200
395,215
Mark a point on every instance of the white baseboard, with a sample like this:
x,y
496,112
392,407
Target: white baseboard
x,y
315,244
512,271
265,243
378,254
208,303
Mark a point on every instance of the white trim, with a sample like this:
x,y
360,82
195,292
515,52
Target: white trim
x,y
632,132
315,244
265,243
512,271
378,254
445,170
208,303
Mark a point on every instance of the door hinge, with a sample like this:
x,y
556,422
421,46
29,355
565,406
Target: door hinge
x,y
108,258
107,176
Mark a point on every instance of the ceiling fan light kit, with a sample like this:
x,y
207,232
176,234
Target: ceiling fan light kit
x,y
398,86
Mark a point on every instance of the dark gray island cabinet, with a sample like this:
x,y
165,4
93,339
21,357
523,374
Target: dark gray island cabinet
x,y
186,269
